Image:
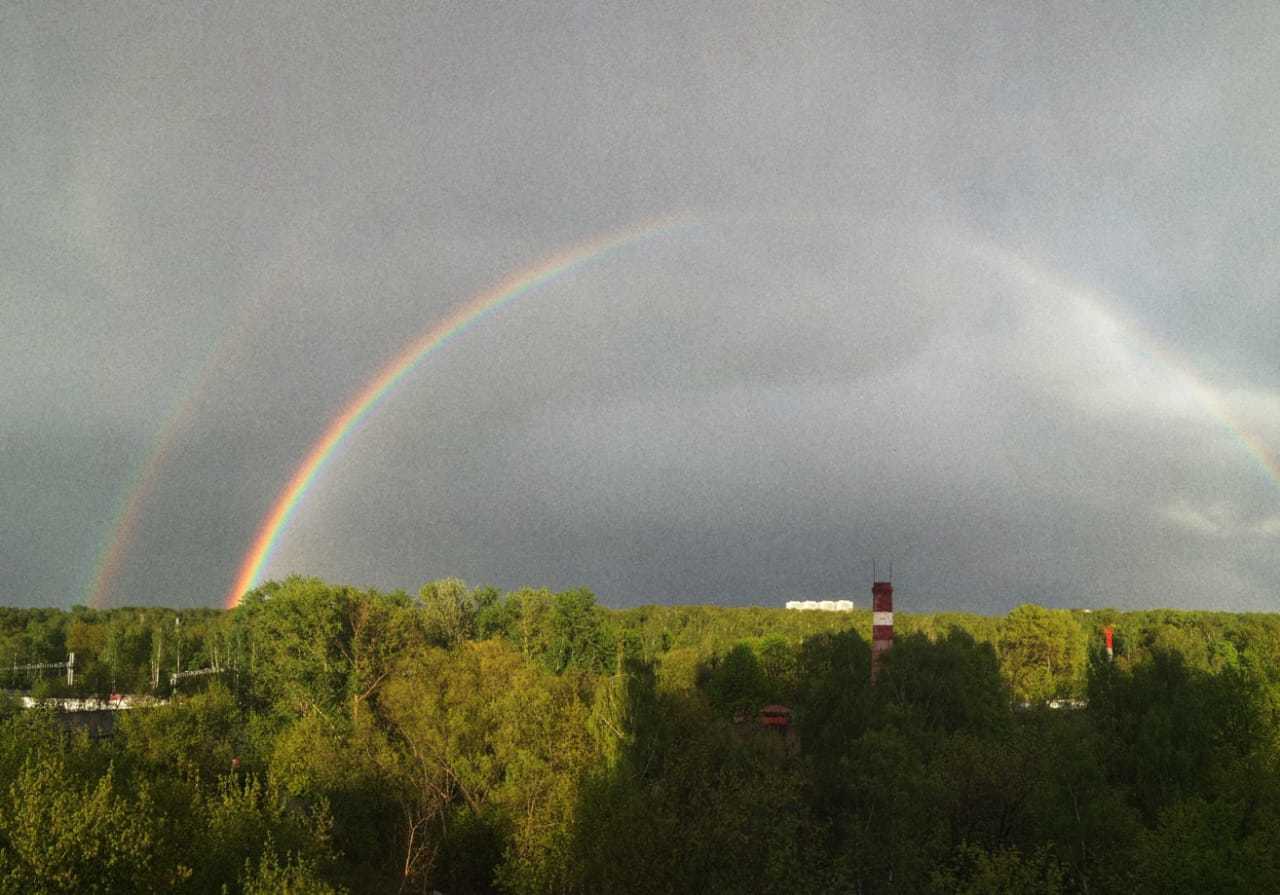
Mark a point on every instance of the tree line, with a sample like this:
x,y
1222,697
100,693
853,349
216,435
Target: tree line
x,y
468,740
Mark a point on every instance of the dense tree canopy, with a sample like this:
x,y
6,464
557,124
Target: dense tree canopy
x,y
326,739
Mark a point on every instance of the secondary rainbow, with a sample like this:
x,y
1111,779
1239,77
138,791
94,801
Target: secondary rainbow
x,y
112,555
463,317
1185,373
222,355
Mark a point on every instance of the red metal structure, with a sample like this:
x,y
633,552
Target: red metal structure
x,y
776,717
881,623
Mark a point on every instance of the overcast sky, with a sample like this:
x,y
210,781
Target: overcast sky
x,y
988,291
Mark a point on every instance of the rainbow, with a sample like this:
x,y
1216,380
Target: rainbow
x,y
1103,312
466,315
111,556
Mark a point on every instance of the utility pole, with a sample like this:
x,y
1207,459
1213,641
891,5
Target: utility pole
x,y
157,655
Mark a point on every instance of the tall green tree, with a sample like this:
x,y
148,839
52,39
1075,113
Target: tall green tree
x,y
1042,653
61,835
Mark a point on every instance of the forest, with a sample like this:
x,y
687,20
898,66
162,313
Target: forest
x,y
464,740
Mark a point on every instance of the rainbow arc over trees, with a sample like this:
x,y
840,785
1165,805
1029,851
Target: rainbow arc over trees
x,y
1178,371
111,556
222,355
462,318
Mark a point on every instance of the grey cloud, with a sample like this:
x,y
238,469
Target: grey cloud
x,y
248,211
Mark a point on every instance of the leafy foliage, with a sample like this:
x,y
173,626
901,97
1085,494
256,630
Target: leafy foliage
x,y
464,740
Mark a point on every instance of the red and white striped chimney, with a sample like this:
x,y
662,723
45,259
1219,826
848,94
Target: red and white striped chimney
x,y
1108,632
881,623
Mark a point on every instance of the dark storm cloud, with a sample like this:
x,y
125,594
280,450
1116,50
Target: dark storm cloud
x,y
986,291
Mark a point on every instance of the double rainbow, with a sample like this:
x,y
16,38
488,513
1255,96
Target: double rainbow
x,y
286,266
462,318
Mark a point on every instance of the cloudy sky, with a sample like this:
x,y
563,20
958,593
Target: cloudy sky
x,y
988,291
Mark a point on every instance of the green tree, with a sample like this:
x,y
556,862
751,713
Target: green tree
x,y
322,649
449,611
1172,730
950,685
1002,872
243,821
295,661
489,739
779,663
736,684
578,638
1215,847
293,876
58,835
1042,653
201,734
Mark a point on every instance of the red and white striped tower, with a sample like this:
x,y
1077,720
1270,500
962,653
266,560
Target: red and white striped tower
x,y
1108,632
881,623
